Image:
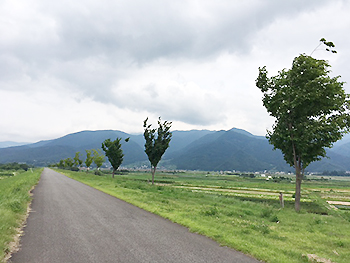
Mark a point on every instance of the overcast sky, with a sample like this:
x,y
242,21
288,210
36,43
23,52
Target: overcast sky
x,y
68,66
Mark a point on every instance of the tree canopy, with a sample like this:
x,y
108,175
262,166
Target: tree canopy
x,y
114,152
311,110
89,158
77,161
157,141
68,162
98,158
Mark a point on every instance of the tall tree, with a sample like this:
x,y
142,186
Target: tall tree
x,y
157,141
77,160
61,164
68,162
89,158
114,152
98,158
311,111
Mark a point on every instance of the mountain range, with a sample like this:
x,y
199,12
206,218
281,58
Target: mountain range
x,y
234,149
11,144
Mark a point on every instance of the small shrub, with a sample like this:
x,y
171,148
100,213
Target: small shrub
x,y
231,213
318,221
246,231
248,212
269,213
346,215
16,190
16,206
274,219
98,172
264,229
339,243
266,213
212,211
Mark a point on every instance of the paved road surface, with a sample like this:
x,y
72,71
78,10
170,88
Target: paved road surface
x,y
72,222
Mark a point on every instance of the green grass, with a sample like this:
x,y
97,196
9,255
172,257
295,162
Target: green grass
x,y
252,223
14,199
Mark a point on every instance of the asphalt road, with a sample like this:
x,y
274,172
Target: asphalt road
x,y
72,222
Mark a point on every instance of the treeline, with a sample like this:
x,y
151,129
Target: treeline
x,y
156,142
92,156
15,166
336,173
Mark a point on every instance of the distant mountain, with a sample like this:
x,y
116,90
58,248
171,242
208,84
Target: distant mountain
x,y
234,149
46,152
342,147
230,150
181,139
11,144
344,140
239,150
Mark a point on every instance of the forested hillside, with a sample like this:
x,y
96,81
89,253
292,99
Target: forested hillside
x,y
234,149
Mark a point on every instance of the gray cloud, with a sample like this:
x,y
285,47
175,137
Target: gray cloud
x,y
159,57
143,31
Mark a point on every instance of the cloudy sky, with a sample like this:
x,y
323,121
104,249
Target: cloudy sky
x,y
68,66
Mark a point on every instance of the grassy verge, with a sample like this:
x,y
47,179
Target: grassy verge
x,y
250,223
14,199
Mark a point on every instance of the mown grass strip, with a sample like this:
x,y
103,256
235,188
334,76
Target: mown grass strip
x,y
14,199
255,226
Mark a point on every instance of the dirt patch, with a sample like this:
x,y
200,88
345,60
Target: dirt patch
x,y
315,258
253,192
338,203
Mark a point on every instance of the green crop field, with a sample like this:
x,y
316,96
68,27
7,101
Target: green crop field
x,y
14,199
244,213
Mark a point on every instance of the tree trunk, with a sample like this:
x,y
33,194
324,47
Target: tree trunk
x,y
113,173
281,200
153,172
297,187
298,177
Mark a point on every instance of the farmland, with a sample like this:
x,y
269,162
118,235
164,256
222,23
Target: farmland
x,y
244,213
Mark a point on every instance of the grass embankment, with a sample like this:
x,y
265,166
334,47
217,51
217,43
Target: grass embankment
x,y
14,199
225,209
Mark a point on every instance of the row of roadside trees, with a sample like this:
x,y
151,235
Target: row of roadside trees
x,y
157,141
92,156
15,166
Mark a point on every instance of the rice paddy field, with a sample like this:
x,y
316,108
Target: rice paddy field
x,y
243,211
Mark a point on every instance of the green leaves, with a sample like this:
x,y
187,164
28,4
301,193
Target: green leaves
x,y
157,141
329,46
310,107
77,160
98,158
114,152
89,158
